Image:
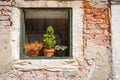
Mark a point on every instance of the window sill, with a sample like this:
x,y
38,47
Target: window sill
x,y
43,57
49,64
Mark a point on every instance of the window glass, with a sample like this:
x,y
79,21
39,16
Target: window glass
x,y
37,21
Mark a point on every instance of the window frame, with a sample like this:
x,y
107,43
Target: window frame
x,y
22,34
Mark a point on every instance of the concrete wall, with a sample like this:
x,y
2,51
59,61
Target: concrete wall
x,y
91,43
116,39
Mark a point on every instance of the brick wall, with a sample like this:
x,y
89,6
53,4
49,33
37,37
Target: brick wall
x,y
97,37
96,23
43,75
5,13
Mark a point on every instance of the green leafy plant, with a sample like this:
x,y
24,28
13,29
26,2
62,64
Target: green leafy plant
x,y
49,38
60,47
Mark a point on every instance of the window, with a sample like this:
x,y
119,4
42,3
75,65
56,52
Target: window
x,y
34,23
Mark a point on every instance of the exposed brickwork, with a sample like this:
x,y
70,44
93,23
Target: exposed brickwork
x,y
5,13
96,23
45,75
83,71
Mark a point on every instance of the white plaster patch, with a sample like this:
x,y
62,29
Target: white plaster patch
x,y
5,50
15,33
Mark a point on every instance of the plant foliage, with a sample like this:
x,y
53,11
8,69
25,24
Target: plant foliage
x,y
49,38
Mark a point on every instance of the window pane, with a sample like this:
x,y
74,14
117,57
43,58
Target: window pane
x,y
37,21
46,14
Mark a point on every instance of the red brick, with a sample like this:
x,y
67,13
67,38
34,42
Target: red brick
x,y
97,16
106,6
51,74
104,26
5,3
91,26
3,18
6,13
106,33
5,23
97,11
97,41
88,16
7,8
103,42
93,31
0,13
88,36
101,21
90,21
87,31
1,7
8,27
100,37
98,31
20,78
88,11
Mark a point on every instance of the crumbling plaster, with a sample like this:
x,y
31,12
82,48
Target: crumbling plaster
x,y
5,56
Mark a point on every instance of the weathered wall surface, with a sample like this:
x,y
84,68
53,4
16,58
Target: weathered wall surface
x,y
91,43
96,36
5,47
116,39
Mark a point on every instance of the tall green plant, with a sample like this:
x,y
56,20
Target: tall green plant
x,y
49,38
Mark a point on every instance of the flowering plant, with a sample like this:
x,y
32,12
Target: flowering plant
x,y
32,49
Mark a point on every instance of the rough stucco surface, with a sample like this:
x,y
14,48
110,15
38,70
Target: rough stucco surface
x,y
100,59
5,50
97,31
91,57
5,47
116,40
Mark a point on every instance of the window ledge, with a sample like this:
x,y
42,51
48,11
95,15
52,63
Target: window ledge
x,y
42,57
46,64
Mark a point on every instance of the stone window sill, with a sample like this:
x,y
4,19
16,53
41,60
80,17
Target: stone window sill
x,y
46,64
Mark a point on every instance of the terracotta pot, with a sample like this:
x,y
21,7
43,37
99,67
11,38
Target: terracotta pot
x,y
33,53
49,52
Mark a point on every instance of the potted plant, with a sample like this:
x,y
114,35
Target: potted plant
x,y
32,49
60,50
49,42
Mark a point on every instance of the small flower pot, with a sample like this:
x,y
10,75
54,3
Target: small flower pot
x,y
49,52
32,53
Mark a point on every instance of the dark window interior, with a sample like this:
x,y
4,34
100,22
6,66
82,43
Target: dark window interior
x,y
37,20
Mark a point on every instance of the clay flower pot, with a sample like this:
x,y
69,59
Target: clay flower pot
x,y
49,52
32,53
32,49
